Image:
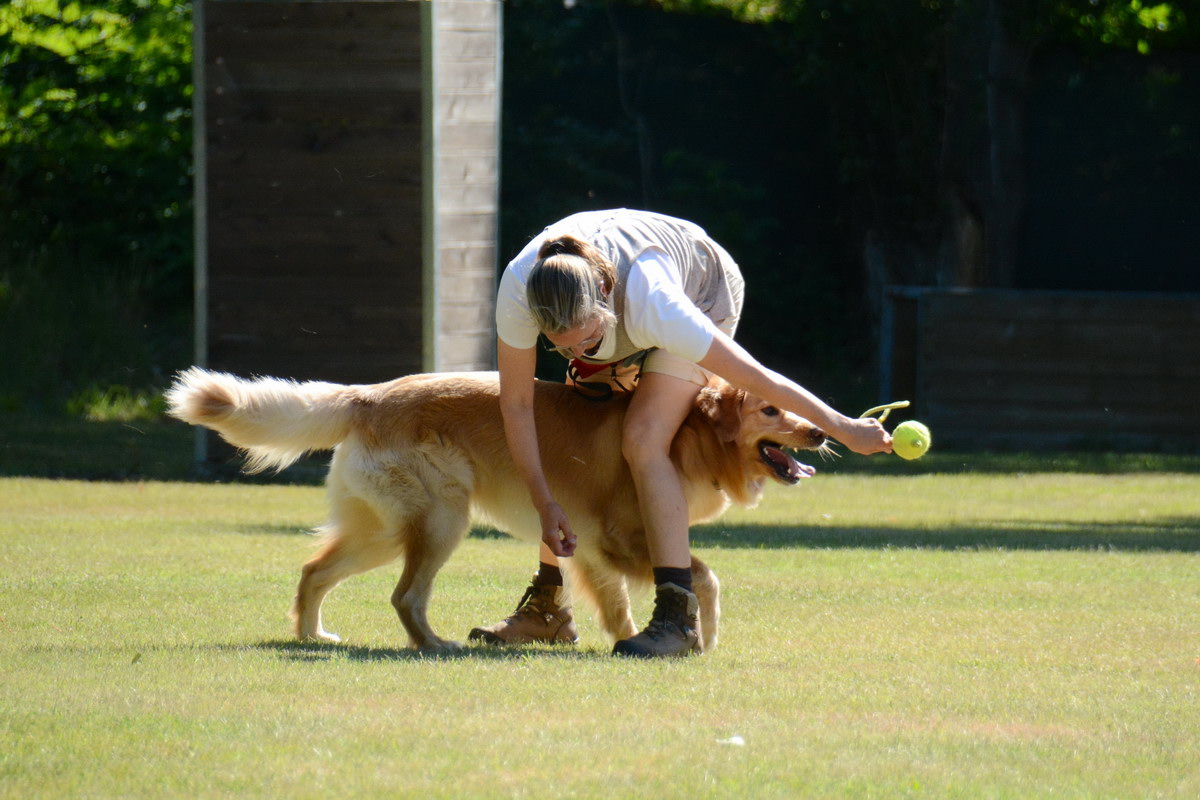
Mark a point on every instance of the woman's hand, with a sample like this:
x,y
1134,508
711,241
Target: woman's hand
x,y
863,435
556,530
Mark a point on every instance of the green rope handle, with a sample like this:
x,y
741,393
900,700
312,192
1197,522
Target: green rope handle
x,y
886,409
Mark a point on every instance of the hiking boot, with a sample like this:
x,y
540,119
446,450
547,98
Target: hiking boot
x,y
674,630
540,617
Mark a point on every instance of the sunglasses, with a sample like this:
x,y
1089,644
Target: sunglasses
x,y
568,353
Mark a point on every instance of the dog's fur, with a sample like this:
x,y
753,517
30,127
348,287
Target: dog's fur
x,y
415,459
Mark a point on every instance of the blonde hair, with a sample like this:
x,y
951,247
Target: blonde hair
x,y
566,287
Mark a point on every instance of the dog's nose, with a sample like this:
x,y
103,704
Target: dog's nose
x,y
819,436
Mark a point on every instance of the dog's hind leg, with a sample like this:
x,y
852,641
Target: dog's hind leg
x,y
428,543
356,541
609,594
708,591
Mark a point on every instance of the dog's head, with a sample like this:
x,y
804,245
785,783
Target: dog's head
x,y
755,438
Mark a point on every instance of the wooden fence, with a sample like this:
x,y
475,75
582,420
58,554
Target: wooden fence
x,y
347,182
347,186
1043,370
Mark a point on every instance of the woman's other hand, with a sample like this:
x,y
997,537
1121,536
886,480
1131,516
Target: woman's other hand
x,y
556,530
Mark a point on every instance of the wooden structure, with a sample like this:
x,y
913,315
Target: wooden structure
x,y
347,159
1040,370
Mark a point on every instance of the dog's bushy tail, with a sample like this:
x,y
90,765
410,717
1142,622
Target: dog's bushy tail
x,y
274,421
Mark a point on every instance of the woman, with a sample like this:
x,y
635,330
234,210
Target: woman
x,y
621,293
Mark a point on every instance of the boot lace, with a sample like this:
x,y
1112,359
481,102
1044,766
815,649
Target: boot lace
x,y
531,605
669,619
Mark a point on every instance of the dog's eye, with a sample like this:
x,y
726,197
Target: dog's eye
x,y
771,411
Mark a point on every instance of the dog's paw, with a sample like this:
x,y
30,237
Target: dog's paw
x,y
322,637
442,647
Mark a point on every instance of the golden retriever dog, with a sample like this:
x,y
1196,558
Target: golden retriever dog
x,y
417,458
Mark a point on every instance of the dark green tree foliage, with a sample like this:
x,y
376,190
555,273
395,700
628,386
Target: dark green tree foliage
x,y
693,115
948,177
834,146
95,192
838,146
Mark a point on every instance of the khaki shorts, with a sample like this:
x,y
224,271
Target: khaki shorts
x,y
624,378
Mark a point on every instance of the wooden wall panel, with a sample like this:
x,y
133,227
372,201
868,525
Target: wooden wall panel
x,y
347,169
1052,369
313,148
350,163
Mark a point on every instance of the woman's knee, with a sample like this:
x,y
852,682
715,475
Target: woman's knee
x,y
659,406
643,445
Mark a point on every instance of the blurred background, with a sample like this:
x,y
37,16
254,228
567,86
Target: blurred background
x,y
835,147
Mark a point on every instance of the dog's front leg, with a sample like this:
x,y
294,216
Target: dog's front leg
x,y
609,592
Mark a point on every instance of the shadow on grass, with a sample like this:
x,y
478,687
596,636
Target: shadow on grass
x,y
281,529
56,446
1175,535
1087,462
320,652
1169,534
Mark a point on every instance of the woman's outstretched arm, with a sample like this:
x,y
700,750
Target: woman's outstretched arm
x,y
732,362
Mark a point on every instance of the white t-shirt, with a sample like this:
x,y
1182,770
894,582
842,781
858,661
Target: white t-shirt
x,y
657,311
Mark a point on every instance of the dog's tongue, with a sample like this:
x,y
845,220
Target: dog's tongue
x,y
793,467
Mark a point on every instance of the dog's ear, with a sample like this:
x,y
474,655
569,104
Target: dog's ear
x,y
722,406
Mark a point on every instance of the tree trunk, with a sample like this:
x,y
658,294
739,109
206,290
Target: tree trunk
x,y
1004,200
629,69
962,258
982,170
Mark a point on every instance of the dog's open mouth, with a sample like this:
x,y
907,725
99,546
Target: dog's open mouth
x,y
786,468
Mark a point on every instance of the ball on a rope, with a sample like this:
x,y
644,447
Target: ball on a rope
x,y
911,440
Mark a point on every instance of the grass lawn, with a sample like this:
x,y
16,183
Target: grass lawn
x,y
944,635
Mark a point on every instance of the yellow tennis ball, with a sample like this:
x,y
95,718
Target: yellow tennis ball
x,y
911,440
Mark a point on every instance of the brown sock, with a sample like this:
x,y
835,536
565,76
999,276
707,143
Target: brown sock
x,y
548,575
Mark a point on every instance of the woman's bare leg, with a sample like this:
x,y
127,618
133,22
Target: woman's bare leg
x,y
659,406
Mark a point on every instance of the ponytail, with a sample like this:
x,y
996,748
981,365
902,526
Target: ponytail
x,y
562,246
568,283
